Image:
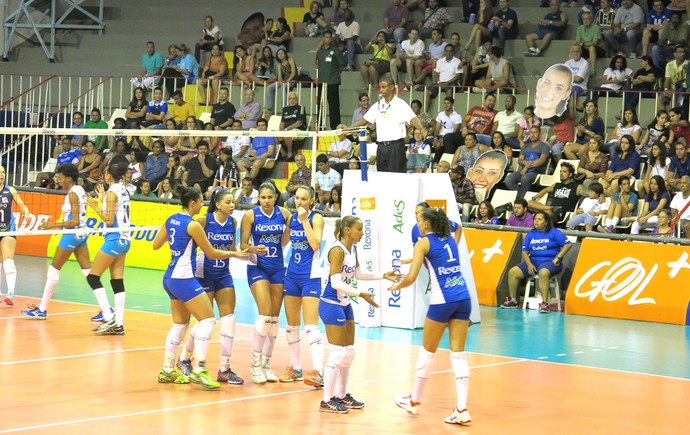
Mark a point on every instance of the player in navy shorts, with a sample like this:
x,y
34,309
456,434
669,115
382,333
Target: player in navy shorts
x,y
449,306
268,228
303,288
187,296
8,244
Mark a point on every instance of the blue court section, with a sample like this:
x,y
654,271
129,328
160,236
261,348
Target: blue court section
x,y
555,337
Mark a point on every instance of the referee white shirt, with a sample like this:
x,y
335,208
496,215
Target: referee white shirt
x,y
391,119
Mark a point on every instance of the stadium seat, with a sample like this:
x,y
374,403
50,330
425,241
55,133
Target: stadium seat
x,y
549,179
205,117
502,197
48,167
274,123
117,113
532,281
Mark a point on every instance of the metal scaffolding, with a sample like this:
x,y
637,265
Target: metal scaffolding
x,y
58,12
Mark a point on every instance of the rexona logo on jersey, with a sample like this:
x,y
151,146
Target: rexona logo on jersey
x,y
437,203
367,203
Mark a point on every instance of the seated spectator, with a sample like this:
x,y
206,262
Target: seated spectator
x,y
152,66
563,133
629,125
435,51
127,183
247,194
90,161
593,163
485,214
679,205
215,143
588,37
507,123
223,112
565,195
136,109
210,36
671,35
167,189
186,147
314,23
644,81
395,18
287,71
656,200
657,164
201,169
674,79
144,189
627,27
339,9
498,142
657,131
353,163
326,178
446,130
498,73
227,174
468,153
480,30
77,122
520,217
657,17
505,24
117,154
679,166
263,148
363,106
266,69
418,152
67,155
679,125
593,206
543,249
249,112
615,77
380,63
175,171
550,28
96,122
460,52
426,119
239,144
180,110
335,200
624,162
243,66
294,117
409,58
442,167
435,18
215,70
156,111
300,177
623,205
580,70
170,141
531,162
480,120
480,65
605,15
663,227
156,164
137,160
526,123
340,149
186,72
280,37
590,125
347,34
372,148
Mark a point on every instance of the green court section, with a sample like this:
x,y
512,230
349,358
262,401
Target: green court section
x,y
652,348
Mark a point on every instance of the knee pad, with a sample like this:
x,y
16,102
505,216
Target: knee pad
x,y
204,329
85,272
349,355
313,334
177,333
53,274
262,325
118,285
273,330
94,281
459,362
337,356
292,334
423,367
9,266
227,326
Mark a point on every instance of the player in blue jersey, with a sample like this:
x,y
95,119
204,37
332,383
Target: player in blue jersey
x,y
73,216
336,312
8,244
268,227
455,228
303,288
113,210
214,276
449,307
187,296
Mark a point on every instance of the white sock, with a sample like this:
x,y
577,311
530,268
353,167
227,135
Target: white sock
x,y
341,384
295,344
10,274
270,342
331,372
227,334
102,299
315,340
462,378
261,329
51,284
172,345
615,220
204,331
188,349
120,308
422,372
607,222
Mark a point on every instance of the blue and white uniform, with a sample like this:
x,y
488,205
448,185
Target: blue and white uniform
x,y
449,298
334,306
179,280
303,277
71,241
268,230
416,235
118,243
214,275
7,222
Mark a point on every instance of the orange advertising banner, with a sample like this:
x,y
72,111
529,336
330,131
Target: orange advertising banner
x,y
489,254
42,208
631,280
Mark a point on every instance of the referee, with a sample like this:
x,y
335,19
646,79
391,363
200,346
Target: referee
x,y
391,116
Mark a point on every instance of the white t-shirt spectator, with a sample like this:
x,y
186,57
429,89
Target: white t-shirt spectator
x,y
678,203
415,49
237,142
347,32
338,146
448,122
507,123
447,69
328,181
579,68
618,75
251,199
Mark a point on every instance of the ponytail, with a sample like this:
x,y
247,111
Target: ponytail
x,y
342,223
438,221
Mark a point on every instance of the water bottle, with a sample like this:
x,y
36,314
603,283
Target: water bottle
x,y
473,18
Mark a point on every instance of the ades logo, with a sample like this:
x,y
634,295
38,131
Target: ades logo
x,y
437,203
367,203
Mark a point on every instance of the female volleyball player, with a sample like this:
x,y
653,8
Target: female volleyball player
x,y
8,244
214,276
268,227
114,212
455,228
336,313
186,294
450,307
73,216
303,288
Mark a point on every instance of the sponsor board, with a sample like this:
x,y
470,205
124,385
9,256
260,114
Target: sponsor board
x,y
489,253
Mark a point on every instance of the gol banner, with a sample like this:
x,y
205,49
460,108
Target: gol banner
x,y
631,280
489,254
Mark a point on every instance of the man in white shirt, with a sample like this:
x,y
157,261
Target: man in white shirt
x,y
409,57
247,194
326,178
580,68
507,122
340,150
435,52
679,203
627,27
239,144
446,75
347,32
446,122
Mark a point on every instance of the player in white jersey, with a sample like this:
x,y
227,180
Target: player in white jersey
x,y
186,294
449,307
8,244
114,212
336,312
73,216
303,288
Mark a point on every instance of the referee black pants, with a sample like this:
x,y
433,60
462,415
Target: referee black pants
x,y
390,156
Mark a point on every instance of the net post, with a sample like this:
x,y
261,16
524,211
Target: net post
x,y
364,163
